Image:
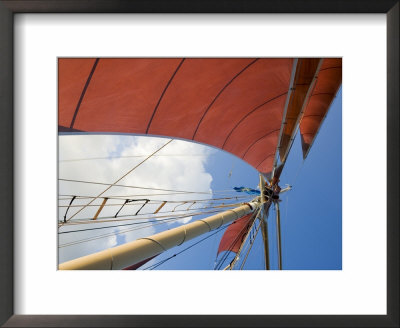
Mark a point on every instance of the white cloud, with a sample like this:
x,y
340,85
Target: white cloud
x,y
166,172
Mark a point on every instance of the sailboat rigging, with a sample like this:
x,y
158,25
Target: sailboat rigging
x,y
252,108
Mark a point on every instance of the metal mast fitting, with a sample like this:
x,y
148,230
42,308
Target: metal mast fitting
x,y
122,256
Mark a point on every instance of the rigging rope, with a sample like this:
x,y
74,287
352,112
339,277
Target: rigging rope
x,y
70,203
226,254
131,156
159,217
153,201
112,218
298,172
135,187
126,230
109,187
216,205
147,188
250,246
132,201
118,225
116,233
244,240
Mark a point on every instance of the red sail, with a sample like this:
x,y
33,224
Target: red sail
x,y
306,71
233,236
326,87
235,104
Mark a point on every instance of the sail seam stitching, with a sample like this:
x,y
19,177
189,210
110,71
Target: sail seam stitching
x,y
264,136
219,93
78,106
163,93
265,159
248,114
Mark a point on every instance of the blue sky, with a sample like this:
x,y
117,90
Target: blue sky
x,y
311,213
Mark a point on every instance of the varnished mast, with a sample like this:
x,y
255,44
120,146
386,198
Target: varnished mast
x,y
264,224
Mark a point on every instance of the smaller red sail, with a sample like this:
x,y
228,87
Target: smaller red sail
x,y
325,90
234,235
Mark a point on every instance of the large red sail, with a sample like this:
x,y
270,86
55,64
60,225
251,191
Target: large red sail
x,y
235,104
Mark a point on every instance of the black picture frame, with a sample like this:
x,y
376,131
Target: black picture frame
x,y
10,7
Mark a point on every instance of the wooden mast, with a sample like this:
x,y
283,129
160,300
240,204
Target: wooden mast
x,y
264,223
278,232
264,230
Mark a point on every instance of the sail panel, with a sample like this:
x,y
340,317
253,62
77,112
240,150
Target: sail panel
x,y
247,133
259,84
306,70
191,94
123,93
235,233
263,159
327,85
73,74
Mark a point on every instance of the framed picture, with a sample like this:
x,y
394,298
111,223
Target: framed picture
x,y
35,293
